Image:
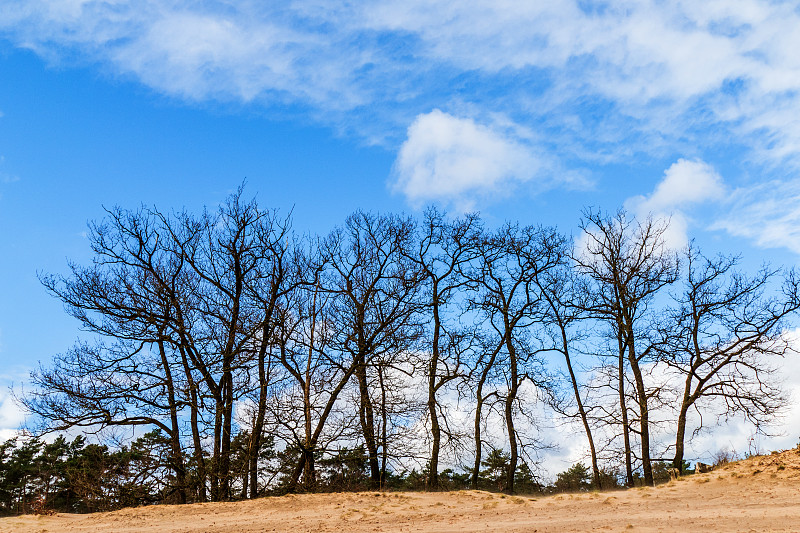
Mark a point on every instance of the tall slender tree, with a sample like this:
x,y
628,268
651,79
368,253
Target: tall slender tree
x,y
564,310
444,249
510,261
627,263
375,287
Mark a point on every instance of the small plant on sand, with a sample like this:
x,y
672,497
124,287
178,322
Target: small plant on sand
x,y
724,456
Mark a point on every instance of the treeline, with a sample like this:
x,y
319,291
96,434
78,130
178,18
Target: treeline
x,y
40,476
43,477
419,342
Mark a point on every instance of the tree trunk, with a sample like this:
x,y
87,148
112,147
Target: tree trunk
x,y
433,465
176,452
478,408
367,419
384,428
680,434
584,418
255,441
436,434
216,459
512,442
512,434
245,479
323,417
258,425
309,475
225,463
644,415
195,427
624,408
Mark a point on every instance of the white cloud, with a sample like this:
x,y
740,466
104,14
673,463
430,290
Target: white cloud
x,y
601,82
11,416
651,60
686,183
767,213
449,158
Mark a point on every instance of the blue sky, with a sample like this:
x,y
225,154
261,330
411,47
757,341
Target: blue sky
x,y
525,112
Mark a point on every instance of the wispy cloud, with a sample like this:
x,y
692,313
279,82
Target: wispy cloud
x,y
767,213
599,82
644,60
5,177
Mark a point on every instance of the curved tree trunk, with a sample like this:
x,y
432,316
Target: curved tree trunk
x,y
680,434
582,411
509,412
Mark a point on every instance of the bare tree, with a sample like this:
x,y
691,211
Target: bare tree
x,y
723,339
510,261
224,252
197,291
482,369
444,249
627,263
565,308
279,273
324,344
375,288
319,373
127,296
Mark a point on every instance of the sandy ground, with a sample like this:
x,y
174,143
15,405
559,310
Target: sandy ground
x,y
759,494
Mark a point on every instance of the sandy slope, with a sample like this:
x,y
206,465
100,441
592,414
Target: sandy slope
x,y
759,494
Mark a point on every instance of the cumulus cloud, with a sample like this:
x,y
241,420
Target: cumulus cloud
x,y
686,183
449,158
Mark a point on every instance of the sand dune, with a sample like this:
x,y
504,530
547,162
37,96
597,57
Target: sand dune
x,y
759,494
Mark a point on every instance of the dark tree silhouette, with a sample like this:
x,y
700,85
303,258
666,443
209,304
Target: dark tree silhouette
x,y
626,263
724,337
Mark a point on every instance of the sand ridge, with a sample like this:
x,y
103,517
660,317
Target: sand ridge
x,y
761,493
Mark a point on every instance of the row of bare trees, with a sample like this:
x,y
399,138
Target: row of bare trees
x,y
421,340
